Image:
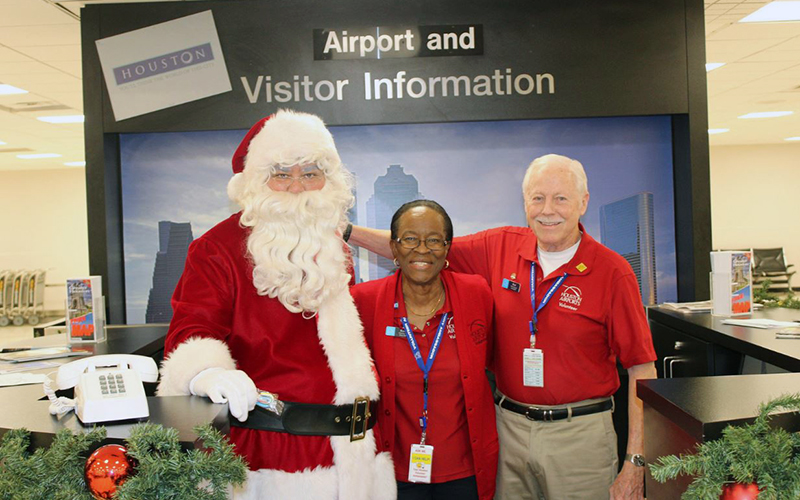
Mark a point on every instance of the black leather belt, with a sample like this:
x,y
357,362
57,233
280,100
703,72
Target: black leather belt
x,y
550,414
305,419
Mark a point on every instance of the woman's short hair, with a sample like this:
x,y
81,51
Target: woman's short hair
x,y
448,224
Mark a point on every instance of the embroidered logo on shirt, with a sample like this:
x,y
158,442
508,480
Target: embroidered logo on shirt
x,y
581,267
477,330
570,298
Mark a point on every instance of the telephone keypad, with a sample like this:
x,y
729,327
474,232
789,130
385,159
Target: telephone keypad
x,y
112,384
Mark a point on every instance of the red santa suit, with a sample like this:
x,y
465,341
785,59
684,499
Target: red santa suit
x,y
220,320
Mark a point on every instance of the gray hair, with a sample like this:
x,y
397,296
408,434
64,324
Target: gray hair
x,y
553,160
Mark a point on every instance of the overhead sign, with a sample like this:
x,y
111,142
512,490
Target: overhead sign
x,y
163,65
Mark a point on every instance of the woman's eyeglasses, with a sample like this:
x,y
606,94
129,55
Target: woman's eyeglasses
x,y
411,242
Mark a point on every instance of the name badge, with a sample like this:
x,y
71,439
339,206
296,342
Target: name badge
x,y
511,285
393,331
420,464
532,368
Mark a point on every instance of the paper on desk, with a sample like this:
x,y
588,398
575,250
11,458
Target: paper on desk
x,y
10,379
758,323
6,368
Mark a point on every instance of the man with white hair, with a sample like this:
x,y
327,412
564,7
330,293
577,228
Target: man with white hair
x,y
566,309
263,305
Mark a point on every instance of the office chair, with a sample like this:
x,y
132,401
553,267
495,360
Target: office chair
x,y
770,264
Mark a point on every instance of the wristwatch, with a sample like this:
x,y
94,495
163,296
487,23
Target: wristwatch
x,y
635,459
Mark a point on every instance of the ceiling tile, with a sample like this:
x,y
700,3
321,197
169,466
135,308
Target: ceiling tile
x,y
53,52
26,13
33,36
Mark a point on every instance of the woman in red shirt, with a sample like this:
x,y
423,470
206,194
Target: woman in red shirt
x,y
436,411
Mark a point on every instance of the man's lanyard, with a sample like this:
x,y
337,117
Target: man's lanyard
x,y
545,300
426,366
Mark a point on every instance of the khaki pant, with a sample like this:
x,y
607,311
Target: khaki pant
x,y
560,460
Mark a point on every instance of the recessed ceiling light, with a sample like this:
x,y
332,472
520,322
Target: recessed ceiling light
x,y
75,163
766,114
3,143
6,89
775,12
797,138
713,66
36,156
62,119
713,131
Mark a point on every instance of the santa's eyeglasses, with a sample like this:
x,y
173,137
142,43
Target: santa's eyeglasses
x,y
307,178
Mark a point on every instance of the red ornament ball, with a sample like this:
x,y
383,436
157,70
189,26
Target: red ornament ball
x,y
107,468
737,491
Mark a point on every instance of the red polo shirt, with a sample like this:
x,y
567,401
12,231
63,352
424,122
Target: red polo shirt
x,y
593,318
447,416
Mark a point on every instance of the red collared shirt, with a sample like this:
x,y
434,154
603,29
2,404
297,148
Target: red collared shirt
x,y
447,416
595,317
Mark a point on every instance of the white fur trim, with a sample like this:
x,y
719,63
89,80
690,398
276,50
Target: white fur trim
x,y
236,187
342,338
341,335
384,484
187,360
315,484
289,136
321,483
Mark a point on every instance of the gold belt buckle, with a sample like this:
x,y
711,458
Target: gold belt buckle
x,y
359,417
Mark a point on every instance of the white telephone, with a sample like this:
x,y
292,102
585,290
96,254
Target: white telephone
x,y
109,387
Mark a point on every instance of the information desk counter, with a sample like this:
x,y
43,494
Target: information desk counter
x,y
26,405
680,413
699,344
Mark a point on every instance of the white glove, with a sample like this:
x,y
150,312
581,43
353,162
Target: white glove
x,y
231,386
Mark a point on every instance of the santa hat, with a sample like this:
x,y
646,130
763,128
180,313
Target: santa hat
x,y
286,138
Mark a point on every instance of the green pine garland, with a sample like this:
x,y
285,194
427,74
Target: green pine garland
x,y
762,295
753,453
164,471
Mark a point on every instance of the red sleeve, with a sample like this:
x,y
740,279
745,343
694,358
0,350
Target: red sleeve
x,y
629,333
470,254
484,294
204,297
364,299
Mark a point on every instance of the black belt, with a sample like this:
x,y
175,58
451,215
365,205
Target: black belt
x,y
305,419
550,414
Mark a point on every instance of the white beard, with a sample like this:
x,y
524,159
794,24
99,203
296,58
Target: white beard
x,y
295,245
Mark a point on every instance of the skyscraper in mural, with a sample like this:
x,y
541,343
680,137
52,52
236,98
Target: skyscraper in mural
x,y
626,226
173,245
392,189
352,216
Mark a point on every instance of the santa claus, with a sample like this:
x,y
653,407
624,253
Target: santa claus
x,y
263,305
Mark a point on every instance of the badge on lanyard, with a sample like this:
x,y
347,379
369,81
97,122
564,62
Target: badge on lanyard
x,y
532,368
532,358
421,456
421,463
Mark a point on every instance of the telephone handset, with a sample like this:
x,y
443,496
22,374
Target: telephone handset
x,y
109,387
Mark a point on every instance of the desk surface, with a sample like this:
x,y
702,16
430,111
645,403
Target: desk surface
x,y
704,406
26,406
142,340
756,342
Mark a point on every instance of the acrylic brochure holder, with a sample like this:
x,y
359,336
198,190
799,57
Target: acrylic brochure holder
x,y
85,306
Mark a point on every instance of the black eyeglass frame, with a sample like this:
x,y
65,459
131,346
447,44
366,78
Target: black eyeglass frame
x,y
399,241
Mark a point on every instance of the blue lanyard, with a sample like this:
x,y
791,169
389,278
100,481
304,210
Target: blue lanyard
x,y
545,300
424,366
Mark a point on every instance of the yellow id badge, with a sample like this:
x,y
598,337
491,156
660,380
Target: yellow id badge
x,y
532,368
419,467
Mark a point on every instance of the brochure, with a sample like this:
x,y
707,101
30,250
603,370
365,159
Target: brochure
x,y
85,311
731,283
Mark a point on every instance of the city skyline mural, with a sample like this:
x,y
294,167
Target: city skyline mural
x,y
474,169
